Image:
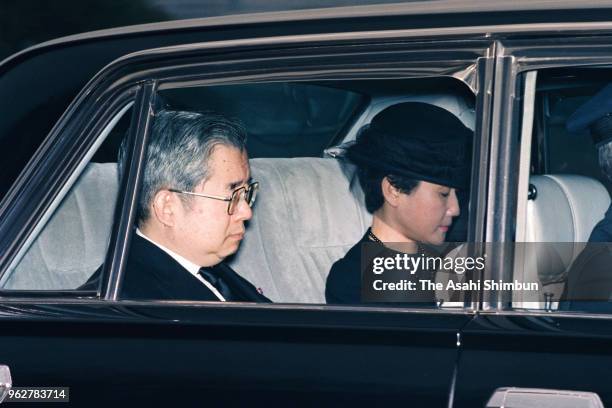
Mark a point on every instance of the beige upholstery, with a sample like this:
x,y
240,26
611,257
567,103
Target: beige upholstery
x,y
305,219
566,208
73,243
559,222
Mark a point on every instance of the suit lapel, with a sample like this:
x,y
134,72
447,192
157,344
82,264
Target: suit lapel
x,y
158,272
242,288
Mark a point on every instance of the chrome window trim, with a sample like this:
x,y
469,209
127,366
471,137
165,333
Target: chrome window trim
x,y
117,254
529,88
342,14
215,305
546,314
528,109
211,305
450,34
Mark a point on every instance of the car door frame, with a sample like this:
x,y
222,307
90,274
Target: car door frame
x,y
414,333
530,348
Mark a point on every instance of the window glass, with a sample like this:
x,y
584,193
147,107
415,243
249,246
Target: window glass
x,y
310,208
20,137
565,212
70,243
283,119
557,150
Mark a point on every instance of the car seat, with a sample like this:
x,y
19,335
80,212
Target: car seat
x,y
561,214
72,244
308,214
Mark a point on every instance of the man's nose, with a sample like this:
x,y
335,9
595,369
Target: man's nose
x,y
453,209
244,211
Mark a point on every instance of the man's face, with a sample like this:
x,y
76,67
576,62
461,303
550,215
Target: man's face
x,y
205,233
426,214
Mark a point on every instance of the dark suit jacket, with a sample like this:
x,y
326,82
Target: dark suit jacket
x,y
603,230
589,281
153,274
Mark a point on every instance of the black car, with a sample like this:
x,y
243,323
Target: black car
x,y
304,83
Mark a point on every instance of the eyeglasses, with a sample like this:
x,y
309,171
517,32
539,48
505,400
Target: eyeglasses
x,y
248,193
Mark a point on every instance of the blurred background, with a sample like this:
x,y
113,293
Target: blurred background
x,y
28,22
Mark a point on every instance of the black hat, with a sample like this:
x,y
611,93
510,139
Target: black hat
x,y
594,115
416,140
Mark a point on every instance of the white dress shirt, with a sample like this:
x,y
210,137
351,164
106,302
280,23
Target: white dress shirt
x,y
185,263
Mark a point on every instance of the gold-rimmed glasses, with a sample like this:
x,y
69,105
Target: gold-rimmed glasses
x,y
249,193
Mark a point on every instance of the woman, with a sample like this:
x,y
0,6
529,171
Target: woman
x,y
410,161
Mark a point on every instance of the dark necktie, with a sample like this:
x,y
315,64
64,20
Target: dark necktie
x,y
217,282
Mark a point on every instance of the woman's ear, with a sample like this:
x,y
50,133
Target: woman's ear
x,y
390,193
164,207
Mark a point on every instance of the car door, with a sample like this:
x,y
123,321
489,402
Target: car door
x,y
552,195
113,350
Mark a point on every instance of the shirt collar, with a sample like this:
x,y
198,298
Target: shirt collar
x,y
185,263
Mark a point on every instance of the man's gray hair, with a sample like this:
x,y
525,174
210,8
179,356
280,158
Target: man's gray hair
x,y
605,159
179,149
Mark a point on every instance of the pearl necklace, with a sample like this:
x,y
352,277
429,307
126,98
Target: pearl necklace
x,y
419,249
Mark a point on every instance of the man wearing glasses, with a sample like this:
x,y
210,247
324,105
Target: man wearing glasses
x,y
196,196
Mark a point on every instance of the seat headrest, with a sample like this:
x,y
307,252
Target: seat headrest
x,y
565,210
306,217
566,207
310,197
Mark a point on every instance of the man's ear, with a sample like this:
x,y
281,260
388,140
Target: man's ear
x,y
164,207
390,193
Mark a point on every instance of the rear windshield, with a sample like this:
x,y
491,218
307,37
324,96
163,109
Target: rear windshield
x,y
282,119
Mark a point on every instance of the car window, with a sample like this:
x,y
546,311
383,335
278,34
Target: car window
x,y
559,150
565,195
283,119
20,138
70,242
309,209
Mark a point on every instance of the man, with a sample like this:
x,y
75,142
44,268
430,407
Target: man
x,y
595,116
410,161
195,198
589,281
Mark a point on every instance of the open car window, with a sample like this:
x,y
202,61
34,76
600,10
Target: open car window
x,y
564,196
310,208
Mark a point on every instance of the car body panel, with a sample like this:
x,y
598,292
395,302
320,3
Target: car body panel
x,y
206,352
69,63
534,350
121,350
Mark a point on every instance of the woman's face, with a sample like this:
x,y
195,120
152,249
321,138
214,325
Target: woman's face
x,y
426,214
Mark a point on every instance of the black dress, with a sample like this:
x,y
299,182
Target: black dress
x,y
344,282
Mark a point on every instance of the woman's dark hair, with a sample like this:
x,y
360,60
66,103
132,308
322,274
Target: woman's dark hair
x,y
371,184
